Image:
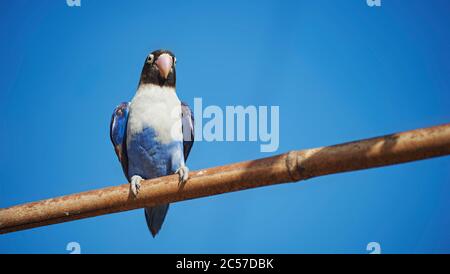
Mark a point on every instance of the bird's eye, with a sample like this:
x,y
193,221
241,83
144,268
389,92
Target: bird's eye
x,y
150,58
174,60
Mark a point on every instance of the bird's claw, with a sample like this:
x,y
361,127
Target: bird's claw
x,y
183,172
135,184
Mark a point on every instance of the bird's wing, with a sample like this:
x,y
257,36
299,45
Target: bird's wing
x,y
187,118
118,134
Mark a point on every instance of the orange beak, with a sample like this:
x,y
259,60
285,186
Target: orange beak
x,y
164,63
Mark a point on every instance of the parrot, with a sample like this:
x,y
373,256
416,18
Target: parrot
x,y
153,134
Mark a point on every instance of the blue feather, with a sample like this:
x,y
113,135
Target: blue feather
x,y
150,159
118,134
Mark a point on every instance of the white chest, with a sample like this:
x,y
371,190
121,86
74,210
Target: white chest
x,y
158,108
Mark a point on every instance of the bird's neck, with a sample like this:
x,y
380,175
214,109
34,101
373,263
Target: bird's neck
x,y
152,88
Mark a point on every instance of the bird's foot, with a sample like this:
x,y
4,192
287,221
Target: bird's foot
x,y
183,172
135,184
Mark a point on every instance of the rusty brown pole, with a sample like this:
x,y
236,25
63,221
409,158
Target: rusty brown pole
x,y
290,167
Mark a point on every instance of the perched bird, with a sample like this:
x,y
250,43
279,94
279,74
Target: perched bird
x,y
154,133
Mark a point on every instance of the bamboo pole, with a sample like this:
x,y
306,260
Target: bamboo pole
x,y
289,167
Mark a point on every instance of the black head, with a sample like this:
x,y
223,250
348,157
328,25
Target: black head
x,y
159,69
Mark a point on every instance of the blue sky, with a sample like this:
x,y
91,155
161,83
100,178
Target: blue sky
x,y
338,70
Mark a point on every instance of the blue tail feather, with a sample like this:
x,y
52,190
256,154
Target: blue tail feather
x,y
155,217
